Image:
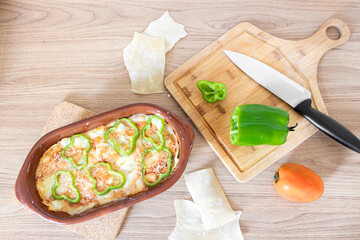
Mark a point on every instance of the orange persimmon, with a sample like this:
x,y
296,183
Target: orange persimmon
x,y
297,183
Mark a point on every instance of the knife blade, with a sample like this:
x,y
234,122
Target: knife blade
x,y
295,95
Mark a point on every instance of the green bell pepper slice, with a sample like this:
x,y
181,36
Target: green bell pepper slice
x,y
85,155
162,175
72,186
255,124
133,139
212,91
160,128
110,170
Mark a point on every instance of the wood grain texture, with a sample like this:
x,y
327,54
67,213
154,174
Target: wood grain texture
x,y
296,59
106,227
72,50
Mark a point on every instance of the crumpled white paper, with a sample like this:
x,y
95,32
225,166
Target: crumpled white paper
x,y
210,217
164,27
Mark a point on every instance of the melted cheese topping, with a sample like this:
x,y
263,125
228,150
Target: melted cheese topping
x,y
51,162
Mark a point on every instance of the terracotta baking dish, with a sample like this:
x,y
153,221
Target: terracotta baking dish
x,y
25,188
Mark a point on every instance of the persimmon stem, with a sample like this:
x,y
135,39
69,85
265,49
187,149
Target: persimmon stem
x,y
276,177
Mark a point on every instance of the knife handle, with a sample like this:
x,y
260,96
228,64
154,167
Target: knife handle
x,y
328,125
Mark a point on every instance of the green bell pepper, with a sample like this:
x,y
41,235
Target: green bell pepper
x,y
255,124
72,186
212,91
133,139
162,175
159,122
108,189
85,154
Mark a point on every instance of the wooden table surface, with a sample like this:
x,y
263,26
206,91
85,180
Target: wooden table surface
x,y
52,51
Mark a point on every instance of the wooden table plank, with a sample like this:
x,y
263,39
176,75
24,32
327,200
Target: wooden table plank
x,y
52,51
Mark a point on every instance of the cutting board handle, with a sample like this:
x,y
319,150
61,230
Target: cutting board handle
x,y
320,41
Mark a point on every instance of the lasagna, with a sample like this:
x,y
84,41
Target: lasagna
x,y
108,163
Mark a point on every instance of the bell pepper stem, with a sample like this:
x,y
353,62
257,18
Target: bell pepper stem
x,y
293,127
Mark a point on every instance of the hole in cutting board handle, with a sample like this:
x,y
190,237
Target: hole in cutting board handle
x,y
333,33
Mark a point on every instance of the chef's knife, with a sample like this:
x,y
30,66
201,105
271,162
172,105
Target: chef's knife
x,y
295,95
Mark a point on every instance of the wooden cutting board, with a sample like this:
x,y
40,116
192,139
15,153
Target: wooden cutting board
x,y
296,59
106,227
